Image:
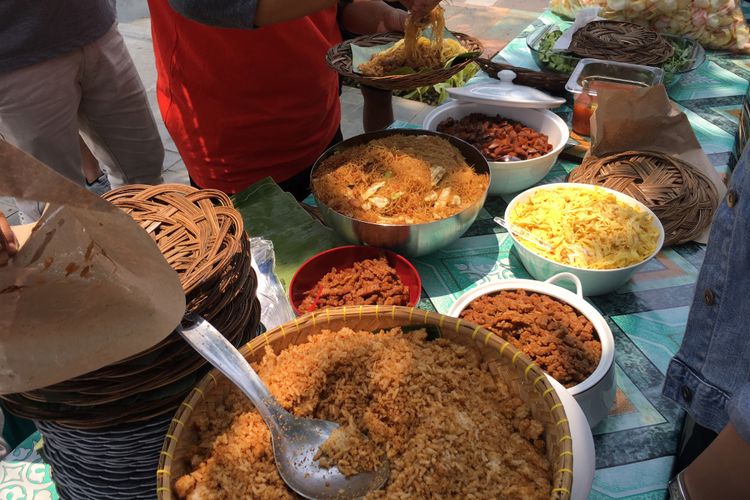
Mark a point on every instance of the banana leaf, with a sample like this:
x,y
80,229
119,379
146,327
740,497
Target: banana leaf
x,y
273,214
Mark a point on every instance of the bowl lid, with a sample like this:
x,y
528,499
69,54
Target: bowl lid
x,y
506,93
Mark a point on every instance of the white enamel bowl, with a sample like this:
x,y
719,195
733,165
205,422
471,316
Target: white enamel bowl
x,y
515,176
593,281
596,394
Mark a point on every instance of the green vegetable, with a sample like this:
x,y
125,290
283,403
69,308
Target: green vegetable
x,y
564,62
556,61
459,58
438,93
681,60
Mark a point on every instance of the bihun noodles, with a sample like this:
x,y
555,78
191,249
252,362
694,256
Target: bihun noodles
x,y
400,179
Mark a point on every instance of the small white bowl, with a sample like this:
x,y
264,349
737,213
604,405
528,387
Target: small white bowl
x,y
596,394
515,176
593,281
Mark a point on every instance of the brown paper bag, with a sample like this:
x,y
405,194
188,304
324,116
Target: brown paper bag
x,y
645,120
87,288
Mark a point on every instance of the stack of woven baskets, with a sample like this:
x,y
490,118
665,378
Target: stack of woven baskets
x,y
103,430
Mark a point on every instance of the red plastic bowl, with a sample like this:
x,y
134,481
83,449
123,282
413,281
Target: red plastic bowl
x,y
317,266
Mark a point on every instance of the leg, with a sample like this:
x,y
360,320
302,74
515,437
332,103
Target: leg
x,y
695,439
97,181
115,116
38,114
378,108
89,163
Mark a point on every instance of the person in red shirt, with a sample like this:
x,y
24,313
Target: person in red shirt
x,y
243,86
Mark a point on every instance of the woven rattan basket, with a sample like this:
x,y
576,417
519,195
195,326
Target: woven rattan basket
x,y
522,376
683,198
201,236
542,80
339,58
622,42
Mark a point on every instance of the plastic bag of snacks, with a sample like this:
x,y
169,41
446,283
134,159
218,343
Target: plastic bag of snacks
x,y
716,24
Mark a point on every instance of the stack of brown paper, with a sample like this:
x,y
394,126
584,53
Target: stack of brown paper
x,y
87,288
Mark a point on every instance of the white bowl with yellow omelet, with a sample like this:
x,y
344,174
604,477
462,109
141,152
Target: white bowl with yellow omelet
x,y
600,235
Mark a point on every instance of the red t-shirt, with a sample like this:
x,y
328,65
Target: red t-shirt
x,y
245,104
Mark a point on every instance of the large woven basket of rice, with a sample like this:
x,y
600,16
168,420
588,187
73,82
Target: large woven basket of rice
x,y
523,379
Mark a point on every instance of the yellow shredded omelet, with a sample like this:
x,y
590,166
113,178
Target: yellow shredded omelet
x,y
586,228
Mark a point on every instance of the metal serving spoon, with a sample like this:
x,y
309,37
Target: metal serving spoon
x,y
509,158
575,252
527,235
295,440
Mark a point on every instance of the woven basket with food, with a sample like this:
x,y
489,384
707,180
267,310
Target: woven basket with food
x,y
616,41
409,60
454,409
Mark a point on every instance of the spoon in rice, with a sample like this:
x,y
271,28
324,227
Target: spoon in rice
x,y
295,440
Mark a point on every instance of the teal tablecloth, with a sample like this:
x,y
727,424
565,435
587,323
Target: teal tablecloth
x,y
635,445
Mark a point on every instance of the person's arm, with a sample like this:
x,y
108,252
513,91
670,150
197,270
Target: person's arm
x,y
255,13
363,17
722,470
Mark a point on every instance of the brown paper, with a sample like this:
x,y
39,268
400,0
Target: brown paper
x,y
88,287
646,120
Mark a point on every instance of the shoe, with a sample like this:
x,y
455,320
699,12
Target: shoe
x,y
100,186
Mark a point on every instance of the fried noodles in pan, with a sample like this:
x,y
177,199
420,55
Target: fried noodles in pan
x,y
399,179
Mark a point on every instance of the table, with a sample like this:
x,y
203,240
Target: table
x,y
635,445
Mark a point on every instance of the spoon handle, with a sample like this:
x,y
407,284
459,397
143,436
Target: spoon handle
x,y
527,235
217,350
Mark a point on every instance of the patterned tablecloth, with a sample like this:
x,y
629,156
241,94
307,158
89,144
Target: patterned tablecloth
x,y
635,445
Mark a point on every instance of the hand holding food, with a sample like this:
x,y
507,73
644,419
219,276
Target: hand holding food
x,y
419,9
415,51
8,241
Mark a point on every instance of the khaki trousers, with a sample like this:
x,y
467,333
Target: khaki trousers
x,y
95,90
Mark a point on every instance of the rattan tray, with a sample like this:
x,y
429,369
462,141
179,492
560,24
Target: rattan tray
x,y
683,198
621,41
542,80
522,376
339,58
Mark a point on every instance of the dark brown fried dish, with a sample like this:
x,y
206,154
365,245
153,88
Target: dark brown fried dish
x,y
555,336
367,282
497,137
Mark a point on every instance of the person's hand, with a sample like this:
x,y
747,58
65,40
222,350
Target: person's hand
x,y
420,8
394,19
8,241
